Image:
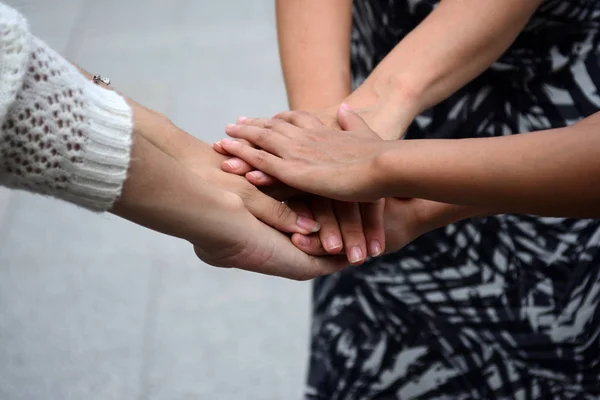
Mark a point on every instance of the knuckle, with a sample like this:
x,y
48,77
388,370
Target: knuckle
x,y
261,156
281,211
278,124
262,136
247,194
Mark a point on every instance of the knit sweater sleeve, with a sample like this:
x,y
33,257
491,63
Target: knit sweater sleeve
x,y
61,135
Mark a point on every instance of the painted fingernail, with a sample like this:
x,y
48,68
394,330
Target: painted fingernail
x,y
356,255
375,248
234,163
303,241
333,243
308,224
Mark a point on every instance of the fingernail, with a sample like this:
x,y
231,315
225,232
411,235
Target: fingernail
x,y
303,240
229,126
233,164
257,175
356,255
308,224
242,119
345,106
375,248
228,142
333,243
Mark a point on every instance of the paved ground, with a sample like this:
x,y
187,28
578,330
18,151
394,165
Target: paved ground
x,y
96,308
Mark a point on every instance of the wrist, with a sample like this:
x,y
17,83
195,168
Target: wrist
x,y
387,105
387,173
433,215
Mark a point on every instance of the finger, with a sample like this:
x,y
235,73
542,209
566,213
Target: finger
x,y
265,138
277,125
348,216
373,226
259,159
349,120
330,234
301,119
236,166
277,214
258,122
233,165
259,178
326,266
300,206
219,149
310,244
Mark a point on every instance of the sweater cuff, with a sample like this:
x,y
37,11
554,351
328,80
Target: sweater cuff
x,y
97,181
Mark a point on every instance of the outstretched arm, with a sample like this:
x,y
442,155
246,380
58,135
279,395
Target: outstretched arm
x,y
553,173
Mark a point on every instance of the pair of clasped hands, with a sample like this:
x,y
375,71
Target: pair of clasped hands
x,y
328,174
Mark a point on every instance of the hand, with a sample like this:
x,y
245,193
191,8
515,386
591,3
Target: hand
x,y
405,221
205,162
388,119
358,226
232,237
303,154
162,194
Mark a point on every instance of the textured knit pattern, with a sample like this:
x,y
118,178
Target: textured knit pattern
x,y
506,307
62,135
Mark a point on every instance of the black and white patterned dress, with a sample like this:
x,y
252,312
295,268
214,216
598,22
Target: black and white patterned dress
x,y
506,307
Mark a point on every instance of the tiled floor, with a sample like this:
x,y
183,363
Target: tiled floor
x,y
96,308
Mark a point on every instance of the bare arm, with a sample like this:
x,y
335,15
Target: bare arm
x,y
314,46
554,172
454,44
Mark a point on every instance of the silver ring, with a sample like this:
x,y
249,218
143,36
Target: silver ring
x,y
99,78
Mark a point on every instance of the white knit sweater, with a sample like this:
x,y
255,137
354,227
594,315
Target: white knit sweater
x,y
62,135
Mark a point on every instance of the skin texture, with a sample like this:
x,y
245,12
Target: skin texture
x,y
163,195
303,155
396,91
175,186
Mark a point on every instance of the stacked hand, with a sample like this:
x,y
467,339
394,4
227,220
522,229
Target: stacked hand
x,y
229,221
359,226
241,226
297,149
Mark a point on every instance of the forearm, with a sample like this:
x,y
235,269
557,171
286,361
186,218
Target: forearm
x,y
164,135
462,38
163,195
551,173
314,46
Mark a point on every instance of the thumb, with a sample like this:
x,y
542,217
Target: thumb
x,y
349,120
278,214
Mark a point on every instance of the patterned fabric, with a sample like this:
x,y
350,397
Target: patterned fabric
x,y
506,307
